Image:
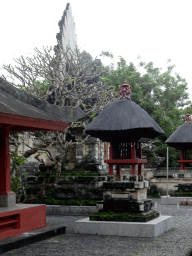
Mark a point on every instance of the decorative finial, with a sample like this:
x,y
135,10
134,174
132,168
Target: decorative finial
x,y
188,119
125,90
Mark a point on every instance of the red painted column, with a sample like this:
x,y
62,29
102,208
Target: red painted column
x,y
182,165
5,161
110,169
111,157
133,156
140,156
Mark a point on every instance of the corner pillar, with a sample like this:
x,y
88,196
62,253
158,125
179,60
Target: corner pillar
x,y
140,156
7,197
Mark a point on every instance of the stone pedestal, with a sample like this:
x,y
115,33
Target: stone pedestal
x,y
21,218
126,196
152,228
136,190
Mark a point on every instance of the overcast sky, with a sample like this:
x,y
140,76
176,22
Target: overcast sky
x,y
156,30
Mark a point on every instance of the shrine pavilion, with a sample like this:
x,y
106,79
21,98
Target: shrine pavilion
x,y
19,112
182,139
125,124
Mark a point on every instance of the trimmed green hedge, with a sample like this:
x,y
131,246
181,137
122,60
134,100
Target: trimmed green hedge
x,y
72,173
52,201
155,195
123,217
181,194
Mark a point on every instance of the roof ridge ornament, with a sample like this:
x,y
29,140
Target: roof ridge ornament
x,y
188,118
125,90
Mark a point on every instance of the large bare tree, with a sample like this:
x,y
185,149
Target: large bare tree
x,y
65,78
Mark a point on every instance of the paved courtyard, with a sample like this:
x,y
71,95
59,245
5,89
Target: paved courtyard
x,y
175,242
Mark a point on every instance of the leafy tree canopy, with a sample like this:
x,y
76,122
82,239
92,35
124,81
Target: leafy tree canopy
x,y
163,94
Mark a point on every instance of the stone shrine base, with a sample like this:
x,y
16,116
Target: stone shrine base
x,y
152,228
21,218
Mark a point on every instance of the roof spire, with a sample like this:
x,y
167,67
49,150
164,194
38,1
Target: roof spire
x,y
188,119
125,90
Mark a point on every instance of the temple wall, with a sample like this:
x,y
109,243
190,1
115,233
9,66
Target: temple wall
x,y
161,183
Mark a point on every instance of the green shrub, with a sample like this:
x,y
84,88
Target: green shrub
x,y
123,217
181,194
155,195
49,200
15,184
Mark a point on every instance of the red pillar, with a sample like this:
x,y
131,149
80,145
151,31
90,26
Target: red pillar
x,y
133,156
5,161
110,169
111,157
182,165
140,156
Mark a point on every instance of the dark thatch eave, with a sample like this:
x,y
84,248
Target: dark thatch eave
x,y
16,101
123,120
182,137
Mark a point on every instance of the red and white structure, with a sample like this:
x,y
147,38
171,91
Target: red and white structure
x,y
21,112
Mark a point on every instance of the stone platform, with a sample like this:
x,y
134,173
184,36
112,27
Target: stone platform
x,y
21,218
152,228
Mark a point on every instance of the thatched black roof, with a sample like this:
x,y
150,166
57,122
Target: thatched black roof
x,y
18,102
123,120
182,137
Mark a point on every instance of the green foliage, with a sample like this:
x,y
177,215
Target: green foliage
x,y
93,116
15,184
162,94
39,87
17,159
106,54
123,217
155,195
80,201
70,80
181,194
80,173
38,134
42,86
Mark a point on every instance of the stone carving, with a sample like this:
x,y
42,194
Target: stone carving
x,y
67,36
125,90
